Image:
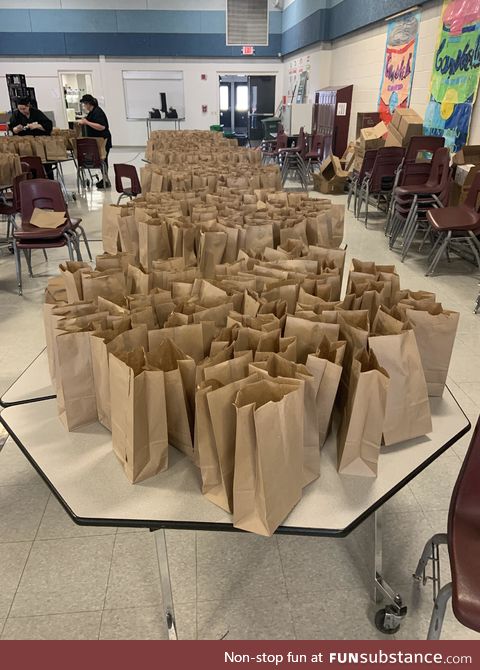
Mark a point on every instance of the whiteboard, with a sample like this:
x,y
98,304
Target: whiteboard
x,y
142,90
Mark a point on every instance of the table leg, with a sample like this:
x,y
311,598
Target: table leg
x,y
388,619
166,585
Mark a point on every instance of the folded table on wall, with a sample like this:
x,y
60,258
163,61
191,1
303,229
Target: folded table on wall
x,y
332,506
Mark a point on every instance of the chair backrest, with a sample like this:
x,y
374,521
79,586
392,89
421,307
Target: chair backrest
x,y
16,189
463,534
317,145
367,163
472,196
386,164
126,171
439,170
88,155
302,142
36,166
41,193
282,141
419,143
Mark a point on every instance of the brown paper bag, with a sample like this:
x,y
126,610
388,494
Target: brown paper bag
x,y
70,272
326,366
215,438
154,243
309,334
360,432
435,332
179,376
44,218
193,339
139,416
268,476
407,412
277,367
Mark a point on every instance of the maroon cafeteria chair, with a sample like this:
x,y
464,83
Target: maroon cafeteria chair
x,y
35,166
358,177
10,207
129,172
463,542
416,200
314,155
42,194
380,181
88,159
272,154
456,225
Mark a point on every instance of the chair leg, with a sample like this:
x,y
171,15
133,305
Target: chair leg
x,y
367,197
473,242
28,258
438,614
69,246
45,255
18,267
85,241
439,254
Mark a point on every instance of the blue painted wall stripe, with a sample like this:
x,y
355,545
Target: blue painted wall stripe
x,y
128,44
119,20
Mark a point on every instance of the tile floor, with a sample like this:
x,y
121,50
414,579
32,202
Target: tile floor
x,y
62,581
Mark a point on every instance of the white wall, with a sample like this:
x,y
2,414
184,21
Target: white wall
x,y
108,87
358,59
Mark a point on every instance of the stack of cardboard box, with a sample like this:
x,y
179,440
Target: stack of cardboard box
x,y
467,164
405,124
370,138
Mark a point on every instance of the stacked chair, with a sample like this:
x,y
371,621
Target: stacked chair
x,y
292,160
380,181
314,155
358,177
456,228
412,203
411,172
44,194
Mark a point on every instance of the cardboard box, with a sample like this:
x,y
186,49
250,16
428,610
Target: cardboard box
x,y
467,161
407,123
393,139
348,157
372,138
332,177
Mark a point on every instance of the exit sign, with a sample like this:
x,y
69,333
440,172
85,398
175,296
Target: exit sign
x,y
248,51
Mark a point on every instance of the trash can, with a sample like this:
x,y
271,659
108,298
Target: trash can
x,y
217,128
270,127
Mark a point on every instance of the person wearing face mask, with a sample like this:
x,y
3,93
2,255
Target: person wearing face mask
x,y
96,124
26,120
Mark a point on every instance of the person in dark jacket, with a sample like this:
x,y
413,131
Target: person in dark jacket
x,y
26,120
96,124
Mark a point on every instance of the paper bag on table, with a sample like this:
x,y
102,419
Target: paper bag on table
x,y
70,272
215,438
193,339
102,343
360,432
277,367
326,366
435,330
407,412
139,416
110,230
309,334
269,456
179,375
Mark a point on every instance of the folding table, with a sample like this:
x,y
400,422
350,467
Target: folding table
x,y
83,473
151,120
33,384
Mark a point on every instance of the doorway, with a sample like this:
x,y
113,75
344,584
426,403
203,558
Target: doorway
x,y
74,86
244,101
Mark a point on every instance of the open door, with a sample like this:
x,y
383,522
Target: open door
x,y
262,103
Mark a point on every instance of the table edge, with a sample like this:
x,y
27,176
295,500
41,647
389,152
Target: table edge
x,y
227,527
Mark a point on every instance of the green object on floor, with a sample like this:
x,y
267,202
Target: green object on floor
x,y
216,128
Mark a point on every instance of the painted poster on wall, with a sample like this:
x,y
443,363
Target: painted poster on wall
x,y
399,64
456,70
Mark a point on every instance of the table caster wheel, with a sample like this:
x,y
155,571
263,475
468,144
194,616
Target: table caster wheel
x,y
386,621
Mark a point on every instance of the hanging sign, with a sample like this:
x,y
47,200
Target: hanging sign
x,y
399,64
456,70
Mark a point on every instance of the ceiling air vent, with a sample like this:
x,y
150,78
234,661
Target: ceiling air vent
x,y
247,22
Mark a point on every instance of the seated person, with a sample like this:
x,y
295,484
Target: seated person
x,y
26,120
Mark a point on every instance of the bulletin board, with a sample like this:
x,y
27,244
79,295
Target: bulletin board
x,y
142,90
